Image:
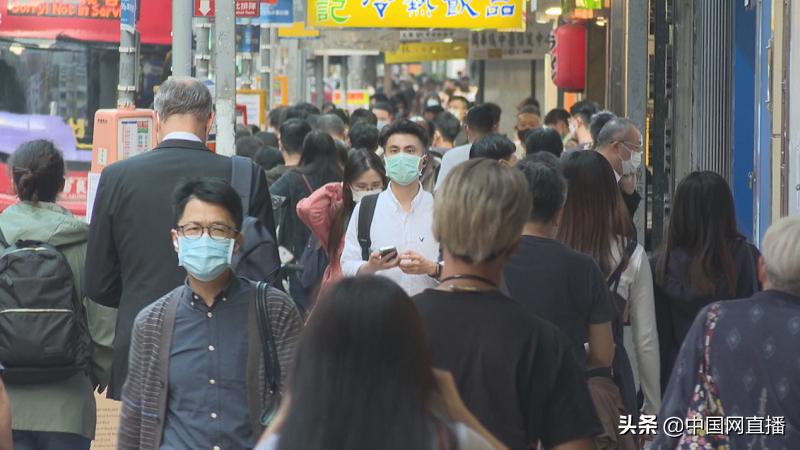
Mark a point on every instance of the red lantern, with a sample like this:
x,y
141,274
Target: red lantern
x,y
569,57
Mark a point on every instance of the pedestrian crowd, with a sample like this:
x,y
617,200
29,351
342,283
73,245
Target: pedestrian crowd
x,y
399,277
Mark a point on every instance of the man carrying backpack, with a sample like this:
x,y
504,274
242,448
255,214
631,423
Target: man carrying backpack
x,y
130,262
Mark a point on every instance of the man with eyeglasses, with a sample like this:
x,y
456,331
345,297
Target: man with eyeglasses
x,y
620,142
197,377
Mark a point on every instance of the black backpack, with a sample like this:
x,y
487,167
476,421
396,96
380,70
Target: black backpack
x,y
44,336
257,259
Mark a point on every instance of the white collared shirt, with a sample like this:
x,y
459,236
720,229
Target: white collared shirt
x,y
393,226
183,135
450,160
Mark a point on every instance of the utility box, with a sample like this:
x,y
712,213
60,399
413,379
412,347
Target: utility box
x,y
120,134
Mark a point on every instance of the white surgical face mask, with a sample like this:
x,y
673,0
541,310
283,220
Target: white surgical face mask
x,y
632,165
359,195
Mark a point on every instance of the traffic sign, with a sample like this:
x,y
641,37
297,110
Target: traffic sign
x,y
244,8
204,8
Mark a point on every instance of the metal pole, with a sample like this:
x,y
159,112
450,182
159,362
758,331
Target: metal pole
x,y
319,81
265,59
345,81
202,50
660,117
182,38
127,63
387,79
225,76
635,93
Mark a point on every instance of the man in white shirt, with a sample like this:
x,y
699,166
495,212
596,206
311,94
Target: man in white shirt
x,y
402,219
481,120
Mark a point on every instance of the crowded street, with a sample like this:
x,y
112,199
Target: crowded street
x,y
416,225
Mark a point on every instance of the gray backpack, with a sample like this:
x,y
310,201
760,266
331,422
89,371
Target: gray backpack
x,y
44,336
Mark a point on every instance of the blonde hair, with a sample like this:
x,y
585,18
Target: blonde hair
x,y
480,210
781,251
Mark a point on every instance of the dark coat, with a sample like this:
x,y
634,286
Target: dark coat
x,y
678,302
130,259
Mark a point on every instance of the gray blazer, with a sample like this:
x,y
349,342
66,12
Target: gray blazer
x,y
144,394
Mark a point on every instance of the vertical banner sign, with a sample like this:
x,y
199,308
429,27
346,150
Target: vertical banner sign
x,y
244,8
470,14
128,15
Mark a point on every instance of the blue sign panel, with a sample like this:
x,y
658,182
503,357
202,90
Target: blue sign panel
x,y
127,17
279,12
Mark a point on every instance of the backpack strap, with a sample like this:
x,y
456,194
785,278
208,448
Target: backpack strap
x,y
365,214
616,276
272,368
242,180
308,185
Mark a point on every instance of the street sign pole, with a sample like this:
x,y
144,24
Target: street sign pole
x,y
265,59
225,71
127,55
181,38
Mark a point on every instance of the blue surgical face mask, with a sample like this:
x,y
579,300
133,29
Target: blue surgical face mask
x,y
403,168
204,258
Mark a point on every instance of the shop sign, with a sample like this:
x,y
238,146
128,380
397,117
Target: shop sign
x,y
468,14
533,43
427,51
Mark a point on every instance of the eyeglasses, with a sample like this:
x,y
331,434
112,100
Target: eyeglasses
x,y
216,231
630,146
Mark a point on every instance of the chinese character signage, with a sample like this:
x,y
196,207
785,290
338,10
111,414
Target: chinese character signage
x,y
427,51
470,14
533,43
90,9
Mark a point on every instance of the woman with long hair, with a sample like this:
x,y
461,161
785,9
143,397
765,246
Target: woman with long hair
x,y
363,380
595,222
705,259
319,165
327,211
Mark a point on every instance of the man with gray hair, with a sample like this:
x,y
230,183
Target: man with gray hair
x,y
750,347
620,142
130,261
333,126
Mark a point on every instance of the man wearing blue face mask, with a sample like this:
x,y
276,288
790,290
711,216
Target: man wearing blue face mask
x,y
400,243
198,377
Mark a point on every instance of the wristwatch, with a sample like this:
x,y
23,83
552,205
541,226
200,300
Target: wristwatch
x,y
438,272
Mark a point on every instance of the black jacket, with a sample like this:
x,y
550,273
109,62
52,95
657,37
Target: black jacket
x,y
677,302
130,259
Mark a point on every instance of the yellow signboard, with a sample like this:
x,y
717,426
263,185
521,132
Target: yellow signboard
x,y
427,51
469,14
297,30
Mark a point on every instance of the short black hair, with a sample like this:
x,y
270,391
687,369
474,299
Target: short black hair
x,y
496,112
544,140
556,115
447,125
492,146
362,114
342,114
530,109
599,120
276,117
248,146
546,183
331,124
530,101
268,138
481,119
405,126
385,106
209,190
301,111
584,109
293,133
364,135
268,158
458,98
37,169
433,109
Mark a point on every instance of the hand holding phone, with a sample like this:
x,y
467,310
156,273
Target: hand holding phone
x,y
387,251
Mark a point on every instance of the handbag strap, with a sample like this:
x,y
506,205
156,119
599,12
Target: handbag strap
x,y
616,276
308,185
272,369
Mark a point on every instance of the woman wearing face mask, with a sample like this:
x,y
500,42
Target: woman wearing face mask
x,y
327,211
